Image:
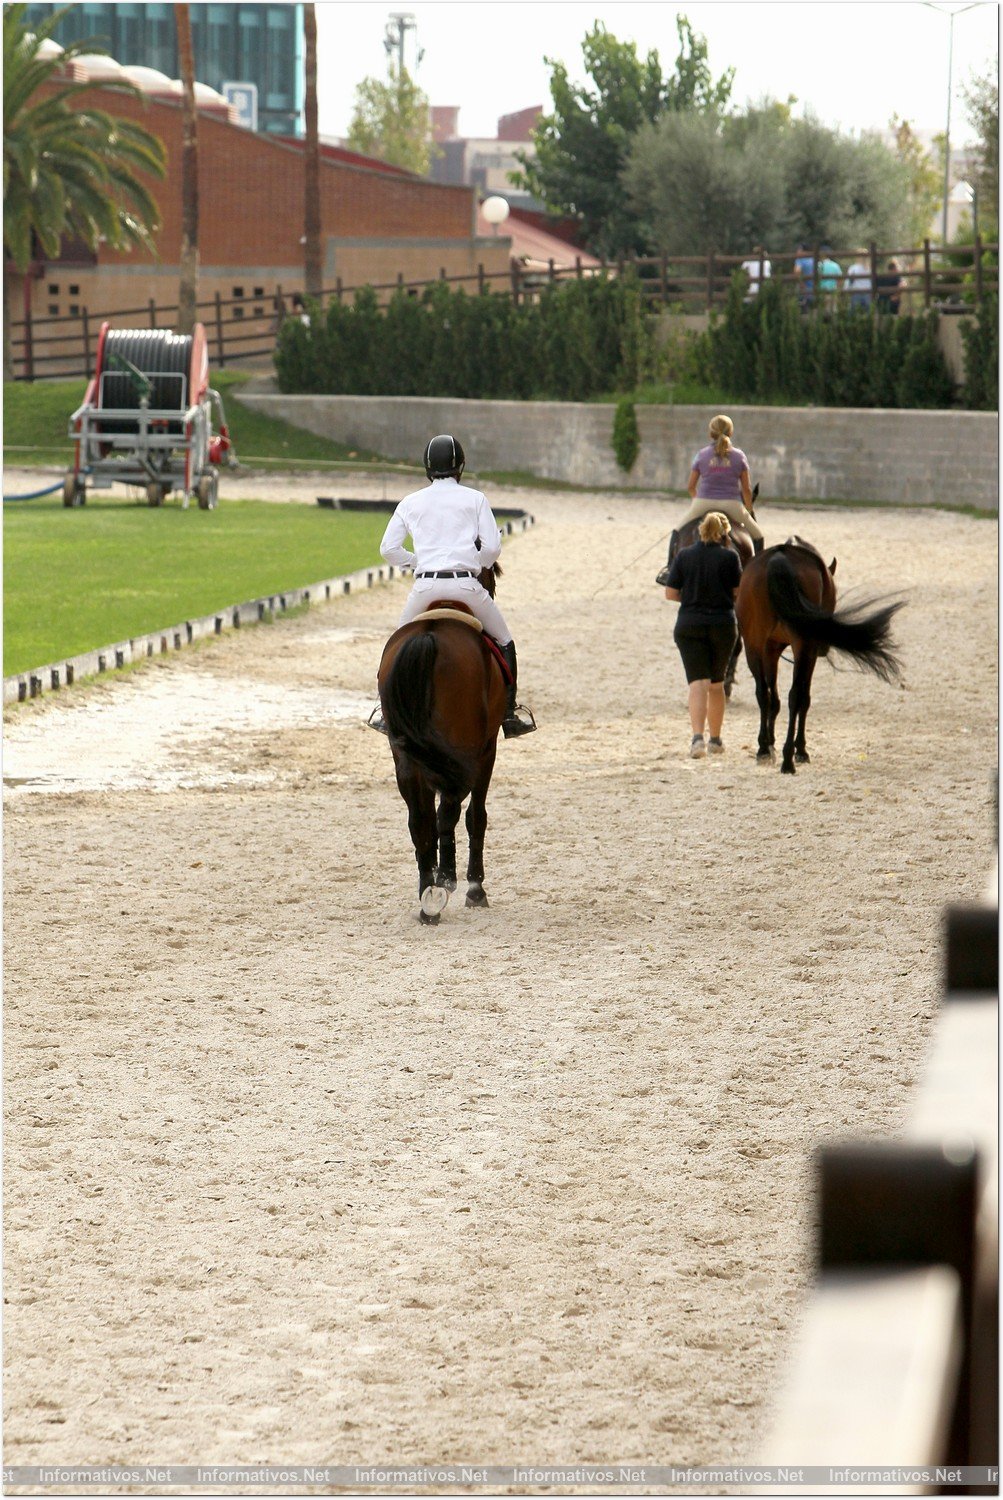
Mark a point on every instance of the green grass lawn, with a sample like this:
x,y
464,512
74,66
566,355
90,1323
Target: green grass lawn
x,y
35,417
76,579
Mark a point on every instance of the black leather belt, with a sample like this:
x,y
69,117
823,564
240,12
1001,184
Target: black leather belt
x,y
458,573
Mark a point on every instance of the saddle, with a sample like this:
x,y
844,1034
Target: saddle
x,y
459,612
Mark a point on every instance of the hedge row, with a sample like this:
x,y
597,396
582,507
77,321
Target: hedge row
x,y
769,349
590,338
579,339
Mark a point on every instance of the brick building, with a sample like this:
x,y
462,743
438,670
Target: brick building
x,y
378,224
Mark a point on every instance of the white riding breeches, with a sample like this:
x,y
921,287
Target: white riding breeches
x,y
465,591
733,509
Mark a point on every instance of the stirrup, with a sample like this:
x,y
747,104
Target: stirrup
x,y
513,725
375,721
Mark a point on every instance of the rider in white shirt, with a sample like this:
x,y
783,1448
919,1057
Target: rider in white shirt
x,y
455,536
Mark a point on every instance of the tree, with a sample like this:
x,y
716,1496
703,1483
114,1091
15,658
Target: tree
x,y
925,179
983,101
69,170
313,278
581,147
701,182
189,268
390,121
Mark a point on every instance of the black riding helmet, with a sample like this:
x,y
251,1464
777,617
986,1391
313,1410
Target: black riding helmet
x,y
444,457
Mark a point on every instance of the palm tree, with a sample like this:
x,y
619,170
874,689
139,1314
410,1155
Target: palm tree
x,y
68,169
189,282
313,269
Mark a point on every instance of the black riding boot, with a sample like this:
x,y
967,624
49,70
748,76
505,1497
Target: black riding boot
x,y
513,724
758,544
663,577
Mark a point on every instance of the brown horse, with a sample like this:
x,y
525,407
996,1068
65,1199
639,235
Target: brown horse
x,y
443,697
787,597
739,541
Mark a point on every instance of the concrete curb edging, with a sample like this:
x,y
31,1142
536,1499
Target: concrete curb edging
x,y
56,675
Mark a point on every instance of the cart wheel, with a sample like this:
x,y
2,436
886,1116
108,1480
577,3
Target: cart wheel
x,y
154,494
74,493
208,491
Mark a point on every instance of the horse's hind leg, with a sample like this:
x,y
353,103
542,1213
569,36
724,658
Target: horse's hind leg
x,y
477,823
809,658
446,819
420,801
757,667
729,676
798,701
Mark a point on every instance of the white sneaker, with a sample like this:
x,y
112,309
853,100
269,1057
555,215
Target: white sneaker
x,y
697,747
715,746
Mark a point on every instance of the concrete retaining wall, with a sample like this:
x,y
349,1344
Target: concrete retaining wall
x,y
796,453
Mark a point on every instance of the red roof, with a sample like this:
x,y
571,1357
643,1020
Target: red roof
x,y
346,157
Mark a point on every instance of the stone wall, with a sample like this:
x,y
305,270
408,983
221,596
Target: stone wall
x,y
796,453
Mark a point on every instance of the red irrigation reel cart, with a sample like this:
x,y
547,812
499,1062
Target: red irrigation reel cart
x,y
147,419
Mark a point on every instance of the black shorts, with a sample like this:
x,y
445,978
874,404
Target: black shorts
x,y
706,649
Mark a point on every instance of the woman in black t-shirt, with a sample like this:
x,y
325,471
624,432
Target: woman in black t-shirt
x,y
703,580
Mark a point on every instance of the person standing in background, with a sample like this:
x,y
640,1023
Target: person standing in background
x,y
858,282
757,262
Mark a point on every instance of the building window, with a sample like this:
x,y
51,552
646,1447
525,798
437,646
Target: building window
x,y
74,310
74,291
53,290
53,309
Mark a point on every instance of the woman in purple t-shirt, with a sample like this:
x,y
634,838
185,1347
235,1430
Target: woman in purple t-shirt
x,y
719,480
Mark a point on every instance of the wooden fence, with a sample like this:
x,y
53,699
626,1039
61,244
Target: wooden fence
x,y
897,1358
244,329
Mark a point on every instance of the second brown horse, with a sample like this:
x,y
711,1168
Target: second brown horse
x,y
787,597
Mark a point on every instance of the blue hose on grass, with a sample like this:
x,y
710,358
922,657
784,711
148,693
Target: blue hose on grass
x,y
35,494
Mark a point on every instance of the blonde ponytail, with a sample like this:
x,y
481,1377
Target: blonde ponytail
x,y
721,429
714,527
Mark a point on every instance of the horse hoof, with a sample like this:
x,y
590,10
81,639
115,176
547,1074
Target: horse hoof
x,y
445,882
787,770
433,901
764,757
428,921
476,896
802,757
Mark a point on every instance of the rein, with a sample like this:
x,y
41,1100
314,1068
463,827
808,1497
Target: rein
x,y
606,582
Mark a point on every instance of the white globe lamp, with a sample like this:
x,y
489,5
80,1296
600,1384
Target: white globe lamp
x,y
495,210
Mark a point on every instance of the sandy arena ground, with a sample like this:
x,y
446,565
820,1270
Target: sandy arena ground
x,y
292,1179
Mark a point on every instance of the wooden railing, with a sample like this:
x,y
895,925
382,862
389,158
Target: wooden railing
x,y
241,329
897,1359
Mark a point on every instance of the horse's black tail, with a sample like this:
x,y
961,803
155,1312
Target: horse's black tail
x,y
407,708
863,636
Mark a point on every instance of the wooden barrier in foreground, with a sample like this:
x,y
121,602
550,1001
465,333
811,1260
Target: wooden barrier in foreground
x,y
897,1358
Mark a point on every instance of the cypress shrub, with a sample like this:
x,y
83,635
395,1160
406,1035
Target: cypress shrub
x,y
980,391
626,438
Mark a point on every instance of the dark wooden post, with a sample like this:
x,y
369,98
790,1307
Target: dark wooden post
x,y
86,329
400,281
153,313
338,288
29,352
816,291
515,283
550,270
220,346
442,273
710,279
578,267
480,276
978,270
927,279
874,275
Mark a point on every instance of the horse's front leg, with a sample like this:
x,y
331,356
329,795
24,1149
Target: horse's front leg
x,y
420,800
729,676
477,823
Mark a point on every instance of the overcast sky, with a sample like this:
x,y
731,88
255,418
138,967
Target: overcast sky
x,y
855,63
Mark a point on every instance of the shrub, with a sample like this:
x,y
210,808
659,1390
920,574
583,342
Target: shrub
x,y
626,438
980,390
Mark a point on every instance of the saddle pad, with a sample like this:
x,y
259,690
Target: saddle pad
x,y
449,614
